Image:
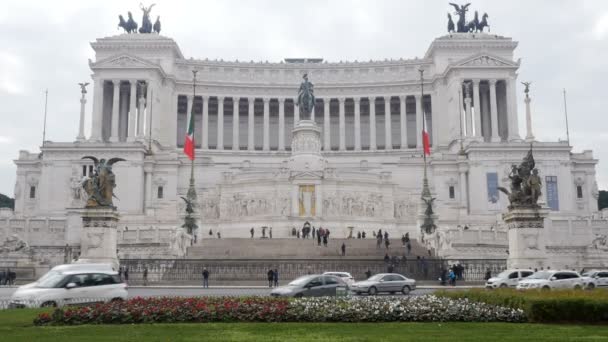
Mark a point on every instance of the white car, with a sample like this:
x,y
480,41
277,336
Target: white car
x,y
72,287
508,278
345,276
595,278
547,280
384,282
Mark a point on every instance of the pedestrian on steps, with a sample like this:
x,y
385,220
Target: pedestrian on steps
x,y
145,276
251,231
343,248
275,277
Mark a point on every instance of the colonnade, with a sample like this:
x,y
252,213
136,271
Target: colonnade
x,y
322,113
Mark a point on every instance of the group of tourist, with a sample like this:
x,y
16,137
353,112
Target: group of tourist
x,y
454,273
7,277
123,273
273,277
252,232
219,236
419,267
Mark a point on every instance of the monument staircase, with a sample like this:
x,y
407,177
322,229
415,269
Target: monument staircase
x,y
292,248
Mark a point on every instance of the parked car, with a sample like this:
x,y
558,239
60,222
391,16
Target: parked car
x,y
547,280
508,278
595,278
70,287
345,276
384,282
317,285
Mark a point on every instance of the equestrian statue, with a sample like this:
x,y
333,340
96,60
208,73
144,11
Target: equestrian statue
x,y
306,99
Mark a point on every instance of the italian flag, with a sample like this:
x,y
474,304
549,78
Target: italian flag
x,y
189,142
426,140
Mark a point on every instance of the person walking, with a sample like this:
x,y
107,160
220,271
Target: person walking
x,y
390,268
343,249
314,231
318,238
270,276
488,274
205,278
325,240
270,233
409,248
368,274
219,236
363,235
387,243
145,276
251,231
443,277
452,277
120,270
275,277
378,241
127,275
386,258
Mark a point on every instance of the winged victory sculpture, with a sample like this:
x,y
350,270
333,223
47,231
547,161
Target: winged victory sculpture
x,y
100,186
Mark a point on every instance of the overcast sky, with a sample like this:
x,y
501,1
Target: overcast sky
x,y
45,44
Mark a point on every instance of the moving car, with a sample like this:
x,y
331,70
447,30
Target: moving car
x,y
384,282
595,278
508,278
60,287
345,276
547,280
316,285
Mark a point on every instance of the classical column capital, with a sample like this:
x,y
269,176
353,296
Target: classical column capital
x,y
417,97
341,99
492,82
326,101
251,99
115,82
133,81
387,98
189,97
475,81
281,100
266,100
402,98
220,98
357,100
205,97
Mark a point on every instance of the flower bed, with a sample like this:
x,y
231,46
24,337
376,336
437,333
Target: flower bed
x,y
544,306
258,309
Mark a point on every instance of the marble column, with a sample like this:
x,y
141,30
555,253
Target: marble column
x,y
494,111
115,110
266,139
477,104
97,117
148,109
140,113
462,169
296,113
467,109
83,102
132,112
418,121
372,123
357,101
342,125
403,122
123,114
326,125
235,123
529,135
512,110
250,125
388,143
148,169
205,134
220,123
281,124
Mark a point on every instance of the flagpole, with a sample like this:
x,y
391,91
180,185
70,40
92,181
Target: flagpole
x,y
191,189
566,114
426,192
46,100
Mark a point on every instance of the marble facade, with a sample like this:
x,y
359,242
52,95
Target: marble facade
x,y
363,169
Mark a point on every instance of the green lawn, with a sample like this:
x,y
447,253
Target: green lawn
x,y
16,325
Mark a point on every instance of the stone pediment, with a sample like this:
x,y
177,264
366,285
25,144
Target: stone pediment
x,y
485,60
123,61
308,175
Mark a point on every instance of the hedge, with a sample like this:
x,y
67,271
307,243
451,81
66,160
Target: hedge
x,y
544,306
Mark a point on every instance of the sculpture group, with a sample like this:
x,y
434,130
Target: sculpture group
x,y
100,186
130,25
525,184
462,26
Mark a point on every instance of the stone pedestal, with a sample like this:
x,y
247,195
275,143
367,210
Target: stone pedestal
x,y
306,147
526,237
98,236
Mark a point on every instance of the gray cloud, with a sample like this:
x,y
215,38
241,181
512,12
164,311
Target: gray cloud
x,y
46,45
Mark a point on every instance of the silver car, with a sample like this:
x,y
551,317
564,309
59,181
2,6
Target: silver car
x,y
317,285
384,282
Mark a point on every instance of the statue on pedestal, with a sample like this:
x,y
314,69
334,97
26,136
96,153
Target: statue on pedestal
x,y
146,24
130,26
525,184
100,186
306,98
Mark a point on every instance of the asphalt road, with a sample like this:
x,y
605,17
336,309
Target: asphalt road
x,y
188,291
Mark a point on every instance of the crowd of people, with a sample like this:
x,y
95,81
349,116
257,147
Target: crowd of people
x,y
7,277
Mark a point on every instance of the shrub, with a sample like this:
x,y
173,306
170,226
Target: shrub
x,y
258,309
544,306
